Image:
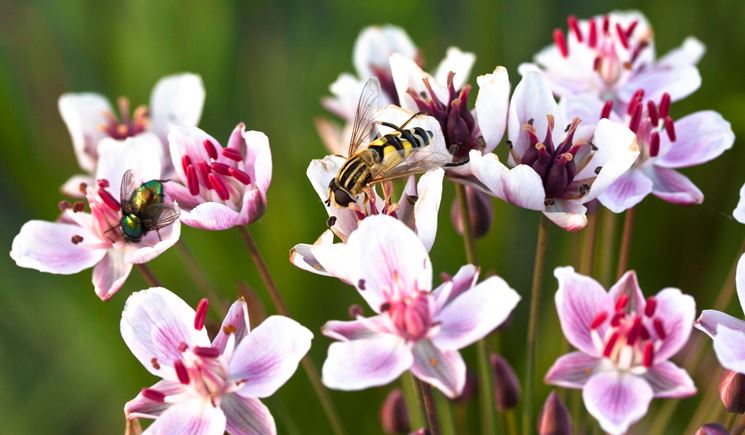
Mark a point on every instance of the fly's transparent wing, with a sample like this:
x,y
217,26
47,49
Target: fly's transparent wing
x,y
418,161
128,187
364,123
157,216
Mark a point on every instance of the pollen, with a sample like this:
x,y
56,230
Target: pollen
x,y
76,239
433,362
154,363
229,329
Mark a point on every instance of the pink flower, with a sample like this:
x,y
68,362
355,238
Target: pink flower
x,y
208,387
81,240
613,55
739,212
559,164
175,100
727,332
624,343
415,328
220,188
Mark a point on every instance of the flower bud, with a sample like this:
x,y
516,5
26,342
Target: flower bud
x,y
712,429
393,414
732,391
506,385
480,212
421,431
554,418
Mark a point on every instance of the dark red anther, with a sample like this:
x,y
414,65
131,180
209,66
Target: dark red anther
x,y
102,183
232,154
616,320
182,346
636,118
205,172
634,331
659,328
219,186
191,180
654,144
670,128
593,38
63,205
622,36
220,168
109,199
207,352
154,362
201,314
181,373
607,107
78,206
644,333
572,23
154,395
597,63
650,307
598,320
210,148
630,29
654,117
606,24
648,357
621,302
76,239
610,344
664,105
185,162
561,43
239,175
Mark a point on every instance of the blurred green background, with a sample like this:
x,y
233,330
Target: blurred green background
x,y
63,365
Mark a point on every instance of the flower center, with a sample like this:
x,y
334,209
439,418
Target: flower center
x,y
125,125
216,176
627,339
411,315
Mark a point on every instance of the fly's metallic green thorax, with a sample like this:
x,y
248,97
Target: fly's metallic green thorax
x,y
148,193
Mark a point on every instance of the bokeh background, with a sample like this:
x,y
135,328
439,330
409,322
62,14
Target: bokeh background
x,y
63,365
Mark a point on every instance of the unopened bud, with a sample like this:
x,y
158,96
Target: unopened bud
x,y
554,418
422,431
256,310
393,414
712,429
506,385
470,389
480,212
732,391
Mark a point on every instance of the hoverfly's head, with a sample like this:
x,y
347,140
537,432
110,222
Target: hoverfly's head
x,y
340,196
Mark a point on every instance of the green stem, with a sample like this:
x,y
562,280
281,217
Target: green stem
x,y
535,295
730,423
428,403
587,258
446,414
511,423
198,276
465,217
279,303
413,405
623,255
149,276
606,246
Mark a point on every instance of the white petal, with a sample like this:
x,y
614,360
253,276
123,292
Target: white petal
x,y
740,281
375,44
492,105
616,151
110,273
301,255
569,215
71,187
456,61
193,417
429,191
532,100
739,212
142,153
520,185
407,74
84,114
689,53
176,100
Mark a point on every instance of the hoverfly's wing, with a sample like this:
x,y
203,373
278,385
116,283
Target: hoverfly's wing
x,y
159,215
419,161
364,124
128,187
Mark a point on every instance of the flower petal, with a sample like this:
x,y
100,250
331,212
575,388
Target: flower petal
x,y
677,312
429,191
521,185
689,53
579,300
700,137
407,74
48,247
709,321
142,407
83,114
569,215
71,187
740,281
154,243
679,82
572,370
443,369
669,380
457,61
176,100
302,256
739,213
253,205
628,284
154,323
361,328
258,158
462,281
234,325
142,153
212,216
374,46
532,100
616,400
475,313
674,187
269,355
492,106
616,151
627,191
247,416
370,362
110,273
729,349
193,417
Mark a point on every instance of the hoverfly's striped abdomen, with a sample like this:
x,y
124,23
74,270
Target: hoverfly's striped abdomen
x,y
394,147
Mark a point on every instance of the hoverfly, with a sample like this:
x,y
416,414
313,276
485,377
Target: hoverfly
x,y
143,209
397,154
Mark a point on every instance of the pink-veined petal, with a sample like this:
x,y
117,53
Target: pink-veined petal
x,y
154,243
677,312
142,154
443,369
83,114
532,100
689,53
48,247
247,416
259,159
740,281
235,324
110,273
679,82
269,355
492,105
674,187
374,46
142,407
572,370
669,380
709,321
176,100
739,212
475,313
579,300
212,216
729,349
569,215
628,284
616,400
193,417
521,185
462,281
627,191
253,205
616,151
361,328
429,191
72,186
154,323
301,255
700,137
370,362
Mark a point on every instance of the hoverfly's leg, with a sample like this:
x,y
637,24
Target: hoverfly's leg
x,y
160,239
370,198
410,119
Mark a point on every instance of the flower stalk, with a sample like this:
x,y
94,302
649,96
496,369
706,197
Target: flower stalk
x,y
148,274
428,402
200,278
623,255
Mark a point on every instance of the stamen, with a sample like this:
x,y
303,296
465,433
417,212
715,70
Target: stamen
x,y
670,128
635,331
621,302
611,344
659,328
652,111
181,373
109,199
636,118
103,183
220,168
597,63
644,332
229,329
561,43
630,29
355,311
593,39
182,347
648,354
82,187
598,320
654,144
616,320
205,172
154,363
63,205
210,148
201,314
361,284
207,352
78,206
185,162
622,36
154,395
606,24
664,105
191,180
219,186
232,154
607,107
385,306
76,239
239,175
572,22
